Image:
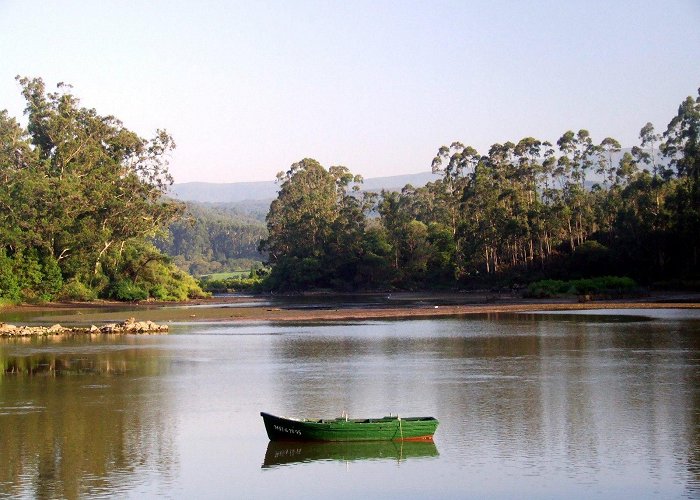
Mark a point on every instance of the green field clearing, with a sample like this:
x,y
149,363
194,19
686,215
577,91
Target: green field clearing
x,y
223,276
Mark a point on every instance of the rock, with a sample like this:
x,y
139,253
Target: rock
x,y
128,326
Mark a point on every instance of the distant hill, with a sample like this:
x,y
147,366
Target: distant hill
x,y
213,192
235,192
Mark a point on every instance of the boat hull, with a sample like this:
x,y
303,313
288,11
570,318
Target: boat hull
x,y
341,429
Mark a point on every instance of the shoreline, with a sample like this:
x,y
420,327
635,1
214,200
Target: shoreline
x,y
262,308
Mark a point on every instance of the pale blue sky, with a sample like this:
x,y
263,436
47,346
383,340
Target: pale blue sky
x,y
247,88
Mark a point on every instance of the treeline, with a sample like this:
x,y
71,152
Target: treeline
x,y
212,238
84,214
519,212
81,197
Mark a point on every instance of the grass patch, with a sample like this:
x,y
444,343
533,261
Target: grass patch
x,y
235,281
225,276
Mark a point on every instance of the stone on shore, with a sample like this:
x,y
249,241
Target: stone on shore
x,y
128,326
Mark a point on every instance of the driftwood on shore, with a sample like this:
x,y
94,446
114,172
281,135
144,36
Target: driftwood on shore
x,y
128,326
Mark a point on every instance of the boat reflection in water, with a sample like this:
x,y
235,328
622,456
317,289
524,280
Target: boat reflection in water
x,y
295,452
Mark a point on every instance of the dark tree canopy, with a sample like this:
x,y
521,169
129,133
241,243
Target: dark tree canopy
x,y
521,211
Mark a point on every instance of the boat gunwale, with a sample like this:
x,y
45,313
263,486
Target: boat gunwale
x,y
359,421
339,429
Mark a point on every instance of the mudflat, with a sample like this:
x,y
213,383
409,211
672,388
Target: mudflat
x,y
327,307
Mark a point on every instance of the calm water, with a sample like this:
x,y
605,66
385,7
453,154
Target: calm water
x,y
542,405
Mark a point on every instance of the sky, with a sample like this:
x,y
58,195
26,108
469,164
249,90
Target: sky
x,y
248,88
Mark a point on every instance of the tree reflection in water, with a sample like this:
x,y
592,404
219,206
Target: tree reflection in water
x,y
72,424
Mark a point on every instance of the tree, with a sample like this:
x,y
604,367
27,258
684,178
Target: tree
x,y
520,211
682,147
313,208
77,185
103,181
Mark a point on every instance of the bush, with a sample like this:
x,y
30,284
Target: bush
x,y
546,288
159,292
140,271
176,285
9,287
128,290
29,276
590,286
51,281
7,302
75,290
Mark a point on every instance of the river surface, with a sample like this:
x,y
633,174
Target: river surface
x,y
590,405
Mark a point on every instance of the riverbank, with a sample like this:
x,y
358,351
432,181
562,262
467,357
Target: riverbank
x,y
324,307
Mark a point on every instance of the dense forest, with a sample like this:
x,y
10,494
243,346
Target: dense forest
x,y
81,198
519,212
84,213
213,238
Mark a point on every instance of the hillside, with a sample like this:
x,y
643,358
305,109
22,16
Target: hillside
x,y
214,238
235,192
213,192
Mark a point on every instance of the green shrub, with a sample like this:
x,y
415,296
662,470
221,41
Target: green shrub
x,y
603,284
546,288
589,286
583,286
27,268
29,276
128,290
159,292
75,290
166,282
9,287
52,280
141,271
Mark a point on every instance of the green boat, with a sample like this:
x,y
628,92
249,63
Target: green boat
x,y
280,453
391,428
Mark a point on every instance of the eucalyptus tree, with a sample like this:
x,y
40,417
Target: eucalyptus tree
x,y
16,159
100,184
78,190
310,225
647,153
606,201
577,159
456,163
529,154
606,167
579,150
682,147
396,214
